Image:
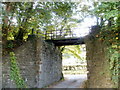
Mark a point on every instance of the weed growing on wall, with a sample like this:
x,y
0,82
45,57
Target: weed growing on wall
x,y
111,40
15,72
114,55
109,14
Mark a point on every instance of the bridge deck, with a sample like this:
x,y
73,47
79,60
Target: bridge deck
x,y
66,36
68,41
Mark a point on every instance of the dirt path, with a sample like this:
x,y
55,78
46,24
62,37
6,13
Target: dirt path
x,y
71,81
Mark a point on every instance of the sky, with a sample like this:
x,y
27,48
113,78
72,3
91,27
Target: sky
x,y
83,28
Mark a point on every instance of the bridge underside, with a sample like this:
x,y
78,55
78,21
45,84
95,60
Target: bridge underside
x,y
64,42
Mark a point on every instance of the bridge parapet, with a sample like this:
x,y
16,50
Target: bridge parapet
x,y
67,36
59,34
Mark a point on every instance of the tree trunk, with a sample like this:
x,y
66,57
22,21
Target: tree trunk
x,y
20,34
5,26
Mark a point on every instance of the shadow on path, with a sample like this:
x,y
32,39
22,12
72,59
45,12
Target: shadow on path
x,y
71,81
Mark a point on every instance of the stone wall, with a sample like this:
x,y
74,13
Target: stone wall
x,y
51,67
0,62
98,64
39,62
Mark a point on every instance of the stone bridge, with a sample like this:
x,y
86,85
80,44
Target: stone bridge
x,y
40,62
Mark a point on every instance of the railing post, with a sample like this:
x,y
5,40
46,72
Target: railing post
x,y
51,34
45,35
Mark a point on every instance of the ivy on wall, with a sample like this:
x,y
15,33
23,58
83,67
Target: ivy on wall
x,y
114,55
109,14
111,40
15,72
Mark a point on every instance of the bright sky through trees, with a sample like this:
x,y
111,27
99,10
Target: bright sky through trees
x,y
83,28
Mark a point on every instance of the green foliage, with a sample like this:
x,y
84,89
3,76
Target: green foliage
x,y
10,44
72,51
63,8
106,8
109,13
114,65
15,72
23,16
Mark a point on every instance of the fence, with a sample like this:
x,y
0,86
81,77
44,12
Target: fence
x,y
59,34
74,69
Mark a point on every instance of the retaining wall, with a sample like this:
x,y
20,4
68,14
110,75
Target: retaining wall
x,y
40,64
99,75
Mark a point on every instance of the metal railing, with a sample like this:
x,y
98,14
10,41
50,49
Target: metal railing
x,y
59,34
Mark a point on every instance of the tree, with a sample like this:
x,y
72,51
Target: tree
x,y
21,17
6,21
30,15
73,51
